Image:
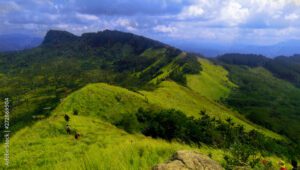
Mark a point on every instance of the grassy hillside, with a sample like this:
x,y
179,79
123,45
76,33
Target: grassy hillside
x,y
286,68
38,78
212,82
196,97
99,80
103,101
266,100
46,144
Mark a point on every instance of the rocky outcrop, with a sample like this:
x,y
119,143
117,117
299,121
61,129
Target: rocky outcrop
x,y
189,160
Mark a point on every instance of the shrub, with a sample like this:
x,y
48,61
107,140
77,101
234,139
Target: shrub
x,y
75,112
129,123
172,124
178,76
241,155
67,118
167,124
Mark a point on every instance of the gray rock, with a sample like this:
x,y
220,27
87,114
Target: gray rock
x,y
189,160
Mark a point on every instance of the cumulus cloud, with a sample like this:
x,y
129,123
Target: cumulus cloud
x,y
233,13
87,17
217,20
192,11
164,29
291,17
126,23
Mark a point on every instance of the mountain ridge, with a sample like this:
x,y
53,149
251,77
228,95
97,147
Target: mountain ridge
x,y
105,38
105,80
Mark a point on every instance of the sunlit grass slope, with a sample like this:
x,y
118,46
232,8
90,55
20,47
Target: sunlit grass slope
x,y
103,101
46,145
212,82
109,102
202,92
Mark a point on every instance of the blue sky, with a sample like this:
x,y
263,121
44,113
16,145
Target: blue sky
x,y
222,21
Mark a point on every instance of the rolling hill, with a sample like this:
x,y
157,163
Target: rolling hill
x,y
102,85
268,90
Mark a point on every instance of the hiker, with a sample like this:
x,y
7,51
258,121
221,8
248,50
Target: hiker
x,y
68,129
294,164
77,135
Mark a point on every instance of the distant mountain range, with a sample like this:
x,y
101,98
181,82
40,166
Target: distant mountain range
x,y
286,48
15,42
212,49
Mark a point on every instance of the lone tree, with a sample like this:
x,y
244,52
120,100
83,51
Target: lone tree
x,y
67,118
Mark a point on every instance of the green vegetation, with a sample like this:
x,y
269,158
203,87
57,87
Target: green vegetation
x,y
47,144
267,92
266,100
242,155
212,82
37,79
175,125
170,95
72,96
102,101
286,68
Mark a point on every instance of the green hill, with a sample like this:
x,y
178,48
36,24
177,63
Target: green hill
x,y
46,144
135,101
266,95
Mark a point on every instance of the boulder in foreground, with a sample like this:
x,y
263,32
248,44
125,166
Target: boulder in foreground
x,y
189,160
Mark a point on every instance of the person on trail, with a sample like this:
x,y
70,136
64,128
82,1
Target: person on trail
x,y
68,129
77,135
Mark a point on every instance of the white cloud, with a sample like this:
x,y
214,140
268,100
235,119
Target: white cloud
x,y
87,17
164,29
219,20
291,17
195,31
193,11
126,23
267,6
234,14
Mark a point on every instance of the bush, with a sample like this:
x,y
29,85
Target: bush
x,y
129,123
75,112
178,76
241,155
191,66
67,118
172,124
166,124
